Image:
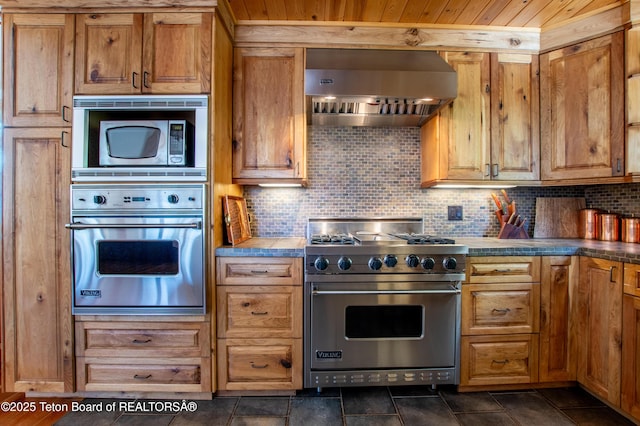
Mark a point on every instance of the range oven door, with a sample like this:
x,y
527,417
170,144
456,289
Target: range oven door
x,y
138,265
384,326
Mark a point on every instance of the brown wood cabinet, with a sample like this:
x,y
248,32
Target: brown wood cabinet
x,y
146,355
38,333
630,393
259,327
131,53
582,110
38,70
632,56
269,128
500,321
491,129
600,327
558,306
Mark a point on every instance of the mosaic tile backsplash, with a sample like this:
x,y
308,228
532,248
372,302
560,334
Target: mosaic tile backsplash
x,y
375,172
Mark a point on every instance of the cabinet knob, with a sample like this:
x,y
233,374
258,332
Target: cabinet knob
x,y
285,363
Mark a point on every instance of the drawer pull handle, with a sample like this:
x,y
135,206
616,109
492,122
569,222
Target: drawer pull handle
x,y
258,366
502,271
259,272
501,311
259,313
285,363
504,361
141,342
141,377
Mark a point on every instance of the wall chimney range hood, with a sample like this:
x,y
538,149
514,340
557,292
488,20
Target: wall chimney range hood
x,y
367,87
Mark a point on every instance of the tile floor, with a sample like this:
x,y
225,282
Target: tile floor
x,y
374,406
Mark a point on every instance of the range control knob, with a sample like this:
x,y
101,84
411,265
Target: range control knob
x,y
99,199
428,263
344,263
375,263
450,263
173,199
412,261
321,263
390,260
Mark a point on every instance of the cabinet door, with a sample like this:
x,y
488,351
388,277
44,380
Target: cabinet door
x,y
36,283
38,70
108,53
515,117
600,327
177,53
630,398
558,342
582,110
268,119
464,123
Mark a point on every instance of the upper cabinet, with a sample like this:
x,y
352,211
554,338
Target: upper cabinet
x,y
130,53
38,70
490,132
582,111
268,116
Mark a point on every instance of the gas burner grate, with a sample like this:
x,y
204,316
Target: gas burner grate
x,y
337,239
424,239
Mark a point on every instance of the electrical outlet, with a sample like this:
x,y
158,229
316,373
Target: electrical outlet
x,y
454,212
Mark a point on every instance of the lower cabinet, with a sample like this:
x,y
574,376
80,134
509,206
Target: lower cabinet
x,y
143,356
500,321
599,327
259,327
630,393
558,308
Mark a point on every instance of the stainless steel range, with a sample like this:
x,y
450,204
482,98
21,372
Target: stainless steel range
x,y
382,304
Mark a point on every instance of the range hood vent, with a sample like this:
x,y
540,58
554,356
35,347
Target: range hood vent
x,y
376,87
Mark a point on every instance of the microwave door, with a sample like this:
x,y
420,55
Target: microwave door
x,y
133,144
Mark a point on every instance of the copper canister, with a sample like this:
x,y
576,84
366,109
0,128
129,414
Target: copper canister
x,y
631,230
588,226
608,226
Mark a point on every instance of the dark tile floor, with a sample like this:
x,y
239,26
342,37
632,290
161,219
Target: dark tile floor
x,y
374,406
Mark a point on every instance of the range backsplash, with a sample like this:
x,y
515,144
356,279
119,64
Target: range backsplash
x,y
375,172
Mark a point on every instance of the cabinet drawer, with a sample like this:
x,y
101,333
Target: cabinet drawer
x,y
259,311
500,308
259,271
135,374
503,269
498,360
632,279
260,364
150,339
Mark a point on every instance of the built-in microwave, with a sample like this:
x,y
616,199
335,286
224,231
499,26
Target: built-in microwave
x,y
143,143
139,138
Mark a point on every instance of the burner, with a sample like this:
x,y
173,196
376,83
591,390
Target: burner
x,y
424,239
337,239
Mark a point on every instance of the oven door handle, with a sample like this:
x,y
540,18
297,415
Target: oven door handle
x,y
453,290
79,225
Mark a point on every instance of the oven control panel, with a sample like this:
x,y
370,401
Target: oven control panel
x,y
136,197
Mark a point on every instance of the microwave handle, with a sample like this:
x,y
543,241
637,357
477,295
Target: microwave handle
x,y
79,226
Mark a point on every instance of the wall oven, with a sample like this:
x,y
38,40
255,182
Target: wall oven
x,y
382,308
138,249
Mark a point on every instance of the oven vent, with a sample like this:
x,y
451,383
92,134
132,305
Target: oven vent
x,y
173,102
84,175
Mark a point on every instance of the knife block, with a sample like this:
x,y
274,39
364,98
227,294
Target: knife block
x,y
509,231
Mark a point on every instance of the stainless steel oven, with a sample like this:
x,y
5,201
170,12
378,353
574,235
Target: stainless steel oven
x,y
138,249
380,310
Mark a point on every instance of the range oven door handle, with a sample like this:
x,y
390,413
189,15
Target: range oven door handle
x,y
79,225
453,290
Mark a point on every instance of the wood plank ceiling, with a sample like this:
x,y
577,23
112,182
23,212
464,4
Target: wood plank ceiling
x,y
504,13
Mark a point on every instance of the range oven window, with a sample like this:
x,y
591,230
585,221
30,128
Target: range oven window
x,y
159,257
384,321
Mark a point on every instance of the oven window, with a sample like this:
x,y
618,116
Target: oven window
x,y
384,321
158,257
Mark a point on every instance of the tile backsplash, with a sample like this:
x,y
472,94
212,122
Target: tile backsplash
x,y
375,172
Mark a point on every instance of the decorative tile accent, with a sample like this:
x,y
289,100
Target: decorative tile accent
x,y
375,172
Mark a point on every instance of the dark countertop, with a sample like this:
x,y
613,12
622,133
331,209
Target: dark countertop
x,y
624,252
